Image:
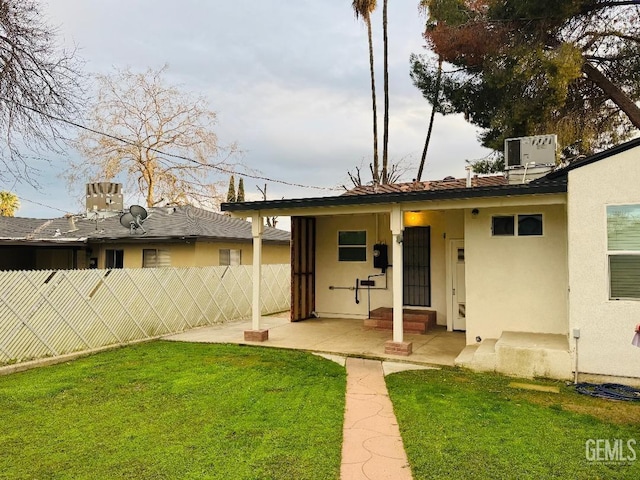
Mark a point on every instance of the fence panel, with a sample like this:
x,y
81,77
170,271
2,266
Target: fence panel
x,y
52,312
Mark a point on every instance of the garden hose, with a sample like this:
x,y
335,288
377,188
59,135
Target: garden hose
x,y
609,391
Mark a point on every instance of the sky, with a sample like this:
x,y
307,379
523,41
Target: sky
x,y
289,81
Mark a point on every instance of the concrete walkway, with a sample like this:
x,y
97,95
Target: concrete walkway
x,y
372,448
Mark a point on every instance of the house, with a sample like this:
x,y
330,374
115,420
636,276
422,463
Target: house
x,y
543,277
176,236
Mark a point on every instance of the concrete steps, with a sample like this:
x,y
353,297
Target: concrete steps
x,y
521,354
413,321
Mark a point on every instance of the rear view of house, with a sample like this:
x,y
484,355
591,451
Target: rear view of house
x,y
541,275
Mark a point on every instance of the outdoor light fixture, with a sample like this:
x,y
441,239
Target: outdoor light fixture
x,y
475,212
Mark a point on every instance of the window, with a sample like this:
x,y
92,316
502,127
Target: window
x,y
229,256
525,226
155,258
623,251
352,246
114,258
502,226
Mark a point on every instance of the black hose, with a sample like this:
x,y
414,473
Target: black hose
x,y
609,391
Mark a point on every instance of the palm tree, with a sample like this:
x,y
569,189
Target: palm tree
x,y
364,8
9,203
434,103
385,141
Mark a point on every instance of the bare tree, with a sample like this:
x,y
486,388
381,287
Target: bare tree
x,y
40,86
271,221
158,137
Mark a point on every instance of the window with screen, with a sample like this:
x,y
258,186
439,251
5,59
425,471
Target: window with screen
x,y
229,257
623,251
352,246
155,258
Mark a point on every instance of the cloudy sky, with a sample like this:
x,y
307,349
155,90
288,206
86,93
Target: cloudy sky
x,y
289,81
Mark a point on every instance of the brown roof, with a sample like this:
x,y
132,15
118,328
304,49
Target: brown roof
x,y
445,184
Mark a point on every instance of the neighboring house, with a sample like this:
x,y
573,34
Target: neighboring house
x,y
182,236
522,268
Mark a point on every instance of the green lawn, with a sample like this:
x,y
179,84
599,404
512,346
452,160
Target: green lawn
x,y
457,424
175,410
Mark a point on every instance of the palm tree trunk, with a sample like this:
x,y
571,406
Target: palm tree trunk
x,y
376,166
385,141
434,102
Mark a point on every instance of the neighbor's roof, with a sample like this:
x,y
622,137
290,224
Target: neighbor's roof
x,y
162,224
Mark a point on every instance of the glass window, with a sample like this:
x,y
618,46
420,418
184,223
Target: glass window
x,y
352,246
526,225
155,258
623,245
529,225
229,256
502,225
114,258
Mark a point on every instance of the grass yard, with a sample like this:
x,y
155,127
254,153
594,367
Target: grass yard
x,y
458,424
175,410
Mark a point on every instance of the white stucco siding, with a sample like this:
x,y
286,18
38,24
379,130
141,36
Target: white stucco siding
x,y
339,302
606,326
516,283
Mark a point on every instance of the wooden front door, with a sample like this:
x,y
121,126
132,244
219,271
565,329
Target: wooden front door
x,y
303,263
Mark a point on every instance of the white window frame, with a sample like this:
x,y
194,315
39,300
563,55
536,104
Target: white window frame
x,y
162,258
360,246
617,253
229,257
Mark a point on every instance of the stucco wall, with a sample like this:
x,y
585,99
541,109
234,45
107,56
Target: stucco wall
x,y
606,326
340,302
516,283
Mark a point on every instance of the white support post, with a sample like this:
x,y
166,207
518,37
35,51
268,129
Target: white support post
x,y
256,334
397,346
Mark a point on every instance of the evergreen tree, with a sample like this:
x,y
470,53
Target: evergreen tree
x,y
240,197
518,67
231,193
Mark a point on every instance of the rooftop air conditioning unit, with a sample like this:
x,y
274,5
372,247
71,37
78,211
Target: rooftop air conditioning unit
x,y
535,150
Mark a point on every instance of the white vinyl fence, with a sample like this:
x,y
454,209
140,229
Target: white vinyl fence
x,y
52,312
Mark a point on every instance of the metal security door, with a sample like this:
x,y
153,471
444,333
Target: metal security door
x,y
416,259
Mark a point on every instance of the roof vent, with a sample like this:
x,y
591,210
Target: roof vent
x,y
448,179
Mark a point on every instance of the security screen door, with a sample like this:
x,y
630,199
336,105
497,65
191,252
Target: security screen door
x,y
416,256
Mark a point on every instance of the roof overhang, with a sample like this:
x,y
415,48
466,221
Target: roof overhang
x,y
523,194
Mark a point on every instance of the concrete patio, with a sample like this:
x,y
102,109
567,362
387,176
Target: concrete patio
x,y
347,337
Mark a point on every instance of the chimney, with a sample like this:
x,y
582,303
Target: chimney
x,y
104,198
468,168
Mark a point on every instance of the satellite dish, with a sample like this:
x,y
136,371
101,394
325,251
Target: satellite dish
x,y
138,211
134,218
